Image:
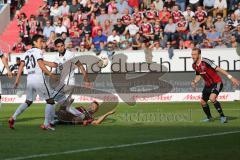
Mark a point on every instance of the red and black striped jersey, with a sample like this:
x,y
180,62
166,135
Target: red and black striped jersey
x,y
207,70
183,24
146,28
126,18
156,28
201,15
88,114
137,16
176,16
151,14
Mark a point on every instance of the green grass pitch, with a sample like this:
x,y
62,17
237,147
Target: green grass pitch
x,y
130,125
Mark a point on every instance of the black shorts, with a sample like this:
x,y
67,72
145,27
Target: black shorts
x,y
207,91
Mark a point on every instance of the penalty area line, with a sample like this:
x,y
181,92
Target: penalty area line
x,y
122,145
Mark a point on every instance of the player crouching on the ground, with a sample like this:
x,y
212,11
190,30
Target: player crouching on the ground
x,y
207,70
80,115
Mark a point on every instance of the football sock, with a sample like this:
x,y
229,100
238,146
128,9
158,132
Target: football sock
x,y
206,110
48,111
218,108
52,113
19,110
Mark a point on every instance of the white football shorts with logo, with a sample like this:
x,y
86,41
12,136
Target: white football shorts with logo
x,y
37,85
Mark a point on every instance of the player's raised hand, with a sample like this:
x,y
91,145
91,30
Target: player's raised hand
x,y
235,82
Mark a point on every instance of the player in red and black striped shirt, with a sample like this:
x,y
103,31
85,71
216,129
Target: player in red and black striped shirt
x,y
207,70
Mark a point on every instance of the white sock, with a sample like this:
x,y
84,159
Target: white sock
x,y
52,114
48,111
19,110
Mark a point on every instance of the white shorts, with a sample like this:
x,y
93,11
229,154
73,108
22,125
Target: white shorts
x,y
36,85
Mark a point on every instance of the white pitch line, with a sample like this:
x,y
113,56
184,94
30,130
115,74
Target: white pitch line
x,y
122,145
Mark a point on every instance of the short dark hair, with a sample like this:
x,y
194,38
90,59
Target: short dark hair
x,y
197,49
36,37
57,41
96,103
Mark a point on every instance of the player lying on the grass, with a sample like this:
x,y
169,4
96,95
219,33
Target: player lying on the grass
x,y
36,84
207,70
67,114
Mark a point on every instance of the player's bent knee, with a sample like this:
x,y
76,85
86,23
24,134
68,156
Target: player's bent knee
x,y
28,102
213,100
50,101
203,103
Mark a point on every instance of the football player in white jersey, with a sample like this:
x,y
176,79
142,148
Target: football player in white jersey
x,y
36,83
65,61
5,63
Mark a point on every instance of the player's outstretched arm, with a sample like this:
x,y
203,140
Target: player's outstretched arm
x,y
85,75
51,64
45,70
195,81
102,118
20,70
5,63
83,71
235,82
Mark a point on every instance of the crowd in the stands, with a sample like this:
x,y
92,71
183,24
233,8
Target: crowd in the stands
x,y
133,24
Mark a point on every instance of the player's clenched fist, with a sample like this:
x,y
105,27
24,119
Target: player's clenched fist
x,y
235,82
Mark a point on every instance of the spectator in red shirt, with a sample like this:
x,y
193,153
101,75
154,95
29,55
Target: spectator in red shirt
x,y
182,28
19,47
137,16
75,34
95,30
201,15
146,28
151,14
126,17
133,3
33,25
22,23
176,14
164,16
